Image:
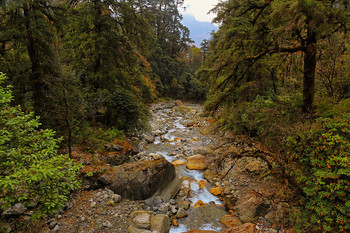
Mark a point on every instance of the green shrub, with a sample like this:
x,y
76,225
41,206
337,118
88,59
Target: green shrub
x,y
30,168
322,171
268,117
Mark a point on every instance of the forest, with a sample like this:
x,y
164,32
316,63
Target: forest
x,y
81,73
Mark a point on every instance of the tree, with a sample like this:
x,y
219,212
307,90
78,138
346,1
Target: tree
x,y
253,31
29,28
31,170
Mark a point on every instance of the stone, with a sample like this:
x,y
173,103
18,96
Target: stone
x,y
209,175
175,223
251,206
160,223
16,210
173,209
202,184
56,228
140,180
231,221
93,204
178,103
156,156
141,220
105,179
181,213
185,204
216,191
116,198
52,224
199,204
186,186
170,190
208,214
178,162
245,228
196,162
149,138
229,202
107,224
184,109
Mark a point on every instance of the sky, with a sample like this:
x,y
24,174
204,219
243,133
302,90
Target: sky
x,y
200,8
195,17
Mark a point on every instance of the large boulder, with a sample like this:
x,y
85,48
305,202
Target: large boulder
x,y
139,181
197,162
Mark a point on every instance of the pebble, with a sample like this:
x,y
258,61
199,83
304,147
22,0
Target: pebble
x,y
107,224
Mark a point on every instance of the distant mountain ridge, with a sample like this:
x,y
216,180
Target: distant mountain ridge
x,y
199,30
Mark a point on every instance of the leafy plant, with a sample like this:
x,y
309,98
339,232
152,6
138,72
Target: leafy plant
x,y
323,173
30,168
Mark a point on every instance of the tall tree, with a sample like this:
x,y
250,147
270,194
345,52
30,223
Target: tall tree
x,y
251,31
29,28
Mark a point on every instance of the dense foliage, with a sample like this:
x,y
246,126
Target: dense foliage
x,y
279,71
86,63
324,175
31,170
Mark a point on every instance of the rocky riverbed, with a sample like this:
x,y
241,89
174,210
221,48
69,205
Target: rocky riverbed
x,y
185,175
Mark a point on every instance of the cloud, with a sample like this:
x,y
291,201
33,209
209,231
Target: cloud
x,y
199,9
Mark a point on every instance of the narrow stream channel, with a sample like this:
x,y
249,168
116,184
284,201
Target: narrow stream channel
x,y
176,141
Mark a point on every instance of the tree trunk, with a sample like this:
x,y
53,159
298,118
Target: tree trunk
x,y
35,76
309,73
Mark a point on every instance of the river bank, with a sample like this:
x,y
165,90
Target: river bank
x,y
201,180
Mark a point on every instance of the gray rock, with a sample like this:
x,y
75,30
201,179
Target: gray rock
x,y
160,223
52,224
199,216
156,156
105,179
185,204
15,210
107,224
116,198
181,213
149,138
142,220
173,209
139,181
56,228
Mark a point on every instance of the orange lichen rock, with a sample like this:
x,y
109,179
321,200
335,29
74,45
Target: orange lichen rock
x,y
199,204
202,184
175,223
230,221
178,162
216,191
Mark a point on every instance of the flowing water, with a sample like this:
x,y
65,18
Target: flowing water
x,y
176,141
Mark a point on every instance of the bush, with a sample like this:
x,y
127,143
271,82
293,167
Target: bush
x,y
30,168
268,117
322,171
